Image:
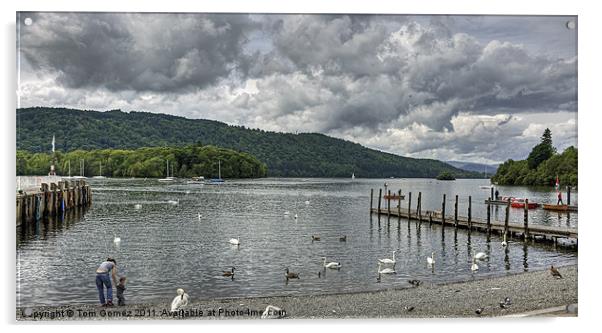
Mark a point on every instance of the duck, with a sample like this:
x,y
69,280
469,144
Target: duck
x,y
333,265
234,241
431,260
229,273
474,266
386,270
504,243
555,273
387,260
315,238
480,256
343,238
179,301
415,283
291,275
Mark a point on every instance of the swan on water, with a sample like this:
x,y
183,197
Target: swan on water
x,y
504,243
333,265
431,260
179,301
480,256
387,260
474,266
234,241
386,270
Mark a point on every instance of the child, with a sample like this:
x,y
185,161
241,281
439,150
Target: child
x,y
120,290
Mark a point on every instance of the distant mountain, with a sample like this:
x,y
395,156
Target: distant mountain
x,y
285,154
490,169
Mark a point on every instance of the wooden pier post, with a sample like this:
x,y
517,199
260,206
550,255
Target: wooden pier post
x,y
526,220
399,205
469,213
409,205
507,218
568,195
492,197
489,218
430,218
389,204
371,199
456,213
443,212
380,195
419,208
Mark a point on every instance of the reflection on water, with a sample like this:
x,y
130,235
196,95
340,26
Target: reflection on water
x,y
165,246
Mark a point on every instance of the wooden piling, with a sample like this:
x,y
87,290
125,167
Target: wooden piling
x,y
526,220
399,205
380,195
389,204
456,213
492,197
443,212
430,218
568,195
489,218
409,205
469,213
507,218
419,209
371,198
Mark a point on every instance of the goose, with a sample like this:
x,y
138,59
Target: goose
x,y
343,238
272,312
555,273
315,238
234,241
387,260
480,256
229,273
179,301
333,265
290,275
504,243
474,266
386,270
431,260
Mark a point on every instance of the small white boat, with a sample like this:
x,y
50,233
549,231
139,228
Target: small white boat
x,y
167,177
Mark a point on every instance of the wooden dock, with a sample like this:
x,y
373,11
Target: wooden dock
x,y
52,200
525,230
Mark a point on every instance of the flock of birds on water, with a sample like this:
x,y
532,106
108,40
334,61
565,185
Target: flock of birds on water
x,y
181,300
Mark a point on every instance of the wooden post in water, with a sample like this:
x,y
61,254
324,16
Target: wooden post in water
x,y
506,218
443,212
469,213
371,199
456,213
526,220
409,205
399,205
389,204
419,208
380,195
492,197
568,195
489,218
430,218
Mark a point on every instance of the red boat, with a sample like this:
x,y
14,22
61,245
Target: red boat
x,y
520,203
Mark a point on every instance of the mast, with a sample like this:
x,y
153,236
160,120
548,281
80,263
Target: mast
x,y
69,166
167,169
219,169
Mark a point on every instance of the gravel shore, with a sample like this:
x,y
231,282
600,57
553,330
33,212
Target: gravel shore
x,y
528,292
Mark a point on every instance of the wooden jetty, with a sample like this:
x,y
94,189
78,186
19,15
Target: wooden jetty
x,y
52,200
526,230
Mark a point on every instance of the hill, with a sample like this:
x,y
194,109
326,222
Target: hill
x,y
285,154
476,167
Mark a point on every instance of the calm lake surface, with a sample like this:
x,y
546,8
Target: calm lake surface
x,y
166,246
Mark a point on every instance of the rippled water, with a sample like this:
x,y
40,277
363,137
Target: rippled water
x,y
165,246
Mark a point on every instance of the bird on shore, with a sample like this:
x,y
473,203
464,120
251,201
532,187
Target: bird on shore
x,y
343,238
229,273
179,301
315,238
291,275
387,260
555,273
332,265
385,270
234,241
431,260
415,283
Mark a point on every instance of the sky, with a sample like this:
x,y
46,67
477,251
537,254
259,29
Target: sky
x,y
464,88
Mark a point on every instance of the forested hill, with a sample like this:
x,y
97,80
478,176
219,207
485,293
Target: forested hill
x,y
287,155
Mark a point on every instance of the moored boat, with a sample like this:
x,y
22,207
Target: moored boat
x,y
520,203
560,208
393,197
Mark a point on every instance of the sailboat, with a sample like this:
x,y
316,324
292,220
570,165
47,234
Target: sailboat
x,y
81,171
167,177
352,175
218,180
100,176
69,170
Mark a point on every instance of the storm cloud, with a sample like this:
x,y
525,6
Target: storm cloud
x,y
412,85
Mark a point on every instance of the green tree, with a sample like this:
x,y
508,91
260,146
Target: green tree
x,y
542,151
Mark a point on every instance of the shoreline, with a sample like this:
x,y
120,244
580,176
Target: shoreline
x,y
532,291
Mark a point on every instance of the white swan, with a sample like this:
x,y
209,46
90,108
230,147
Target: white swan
x,y
179,301
386,270
387,260
504,243
431,260
333,265
474,266
480,256
234,241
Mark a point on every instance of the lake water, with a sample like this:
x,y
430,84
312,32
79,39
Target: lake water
x,y
166,246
